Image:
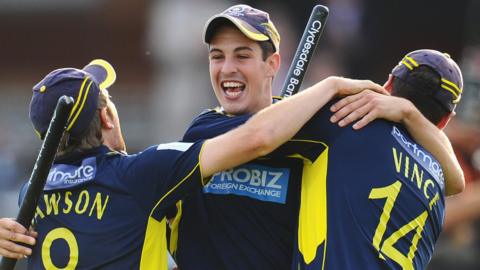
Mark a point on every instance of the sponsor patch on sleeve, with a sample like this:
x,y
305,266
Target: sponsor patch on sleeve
x,y
251,180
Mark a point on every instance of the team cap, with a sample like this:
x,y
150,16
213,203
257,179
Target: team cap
x,y
83,85
254,23
449,92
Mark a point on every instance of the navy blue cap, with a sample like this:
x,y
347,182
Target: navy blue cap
x,y
254,23
83,85
449,92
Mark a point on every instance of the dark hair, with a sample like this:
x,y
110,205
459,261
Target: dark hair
x,y
267,49
420,87
90,139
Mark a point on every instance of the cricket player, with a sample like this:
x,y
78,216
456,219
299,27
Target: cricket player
x,y
376,199
104,209
246,217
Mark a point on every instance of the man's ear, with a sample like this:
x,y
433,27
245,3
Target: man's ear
x,y
389,83
273,64
107,121
445,120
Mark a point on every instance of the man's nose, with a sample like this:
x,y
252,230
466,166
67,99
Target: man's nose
x,y
229,66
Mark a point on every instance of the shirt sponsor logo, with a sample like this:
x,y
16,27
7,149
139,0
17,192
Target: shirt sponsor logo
x,y
254,181
421,155
64,176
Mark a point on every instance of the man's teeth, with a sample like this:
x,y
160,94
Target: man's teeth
x,y
232,84
233,89
233,93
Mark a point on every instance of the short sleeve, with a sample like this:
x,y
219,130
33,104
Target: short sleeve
x,y
162,174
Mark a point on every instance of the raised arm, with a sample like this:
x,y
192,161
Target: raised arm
x,y
368,106
274,125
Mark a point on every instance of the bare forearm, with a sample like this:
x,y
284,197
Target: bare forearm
x,y
266,130
283,120
368,106
437,143
274,125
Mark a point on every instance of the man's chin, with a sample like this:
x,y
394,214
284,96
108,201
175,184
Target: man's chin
x,y
234,110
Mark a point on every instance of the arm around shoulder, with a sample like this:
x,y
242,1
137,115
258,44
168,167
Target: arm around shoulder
x,y
368,106
274,125
437,143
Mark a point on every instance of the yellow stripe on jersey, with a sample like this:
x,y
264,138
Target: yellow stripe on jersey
x,y
154,251
174,188
154,255
203,181
174,228
309,141
312,227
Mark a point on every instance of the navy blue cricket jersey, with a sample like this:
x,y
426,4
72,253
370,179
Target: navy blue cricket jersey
x,y
105,210
374,199
244,218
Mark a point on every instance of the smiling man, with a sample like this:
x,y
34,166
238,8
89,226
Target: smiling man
x,y
245,218
241,68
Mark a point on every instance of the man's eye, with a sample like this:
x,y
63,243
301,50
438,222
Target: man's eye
x,y
216,57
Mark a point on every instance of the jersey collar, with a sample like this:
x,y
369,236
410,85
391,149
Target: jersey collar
x,y
78,155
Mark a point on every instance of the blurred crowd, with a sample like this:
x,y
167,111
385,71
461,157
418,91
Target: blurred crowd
x,y
156,48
